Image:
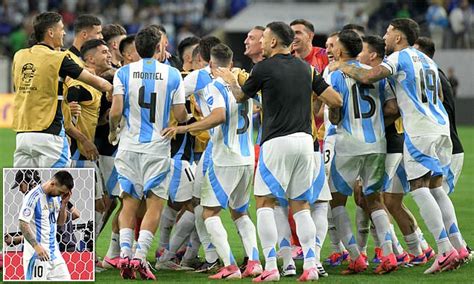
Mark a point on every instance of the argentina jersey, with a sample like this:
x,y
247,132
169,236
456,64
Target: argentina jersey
x,y
231,142
41,212
361,129
329,128
196,81
150,88
417,86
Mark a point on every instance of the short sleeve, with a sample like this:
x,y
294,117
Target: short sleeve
x,y
214,98
28,206
179,93
389,90
318,84
119,88
69,68
254,82
391,63
190,83
336,80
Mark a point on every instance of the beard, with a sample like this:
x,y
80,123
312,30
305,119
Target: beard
x,y
389,50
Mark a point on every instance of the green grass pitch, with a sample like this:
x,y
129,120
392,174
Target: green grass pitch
x,y
463,199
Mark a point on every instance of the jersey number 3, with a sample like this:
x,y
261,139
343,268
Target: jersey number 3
x,y
151,105
243,111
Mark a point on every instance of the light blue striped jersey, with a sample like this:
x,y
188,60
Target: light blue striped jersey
x,y
41,212
417,86
196,81
150,88
361,129
231,141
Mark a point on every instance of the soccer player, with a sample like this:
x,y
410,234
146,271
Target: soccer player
x,y
145,92
453,171
303,45
229,158
43,208
286,162
253,47
185,52
128,50
86,27
38,76
427,146
113,35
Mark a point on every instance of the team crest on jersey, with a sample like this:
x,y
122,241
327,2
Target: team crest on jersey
x,y
26,212
210,101
27,74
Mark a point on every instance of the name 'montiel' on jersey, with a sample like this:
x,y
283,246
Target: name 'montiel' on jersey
x,y
417,86
41,212
361,129
231,142
149,88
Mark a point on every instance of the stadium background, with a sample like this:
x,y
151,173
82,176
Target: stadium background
x,y
230,20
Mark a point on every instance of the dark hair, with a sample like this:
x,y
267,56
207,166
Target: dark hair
x,y
86,21
376,44
146,41
64,178
408,27
112,30
351,41
43,22
426,45
283,32
186,43
196,52
260,28
303,22
161,28
352,27
124,43
222,54
205,46
91,44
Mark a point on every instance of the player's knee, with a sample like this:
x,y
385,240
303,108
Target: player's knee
x,y
208,212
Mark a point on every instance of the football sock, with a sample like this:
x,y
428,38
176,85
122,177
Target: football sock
x,y
382,225
248,234
336,243
114,246
306,231
284,235
144,242
167,220
423,243
268,235
126,238
219,239
209,249
344,230
319,214
413,243
363,226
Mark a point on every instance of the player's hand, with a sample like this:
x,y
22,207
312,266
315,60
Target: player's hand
x,y
8,239
65,198
90,150
108,96
75,108
169,132
113,137
41,252
226,75
333,66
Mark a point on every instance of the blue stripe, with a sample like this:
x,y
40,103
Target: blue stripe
x,y
331,130
52,229
284,243
373,188
80,163
154,182
146,127
203,79
449,177
171,87
339,84
242,209
112,181
225,126
318,183
367,127
31,267
76,155
122,245
243,137
124,75
33,196
408,84
175,179
428,162
402,176
178,155
127,186
64,157
38,221
272,183
219,191
338,181
387,182
207,158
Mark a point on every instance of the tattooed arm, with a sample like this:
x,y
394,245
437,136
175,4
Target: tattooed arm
x,y
366,76
30,238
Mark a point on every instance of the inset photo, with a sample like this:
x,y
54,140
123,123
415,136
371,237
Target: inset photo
x,y
48,224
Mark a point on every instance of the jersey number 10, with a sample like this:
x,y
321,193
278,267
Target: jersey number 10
x,y
151,105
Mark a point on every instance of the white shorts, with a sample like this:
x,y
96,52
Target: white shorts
x,y
345,170
328,152
141,173
36,269
99,183
41,150
227,186
199,176
286,168
395,178
426,154
321,191
181,180
452,172
109,175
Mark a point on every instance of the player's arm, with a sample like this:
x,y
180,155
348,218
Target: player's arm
x,y
62,216
325,92
30,237
215,118
69,68
390,112
248,90
366,76
335,115
115,115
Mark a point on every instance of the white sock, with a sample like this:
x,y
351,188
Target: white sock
x,y
382,225
248,234
167,220
210,252
336,243
193,249
375,237
99,219
413,243
268,235
449,216
284,235
396,246
344,230
145,238
431,214
320,219
423,243
219,239
182,231
363,226
114,246
126,238
306,231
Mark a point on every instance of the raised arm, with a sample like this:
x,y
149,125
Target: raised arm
x,y
366,76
